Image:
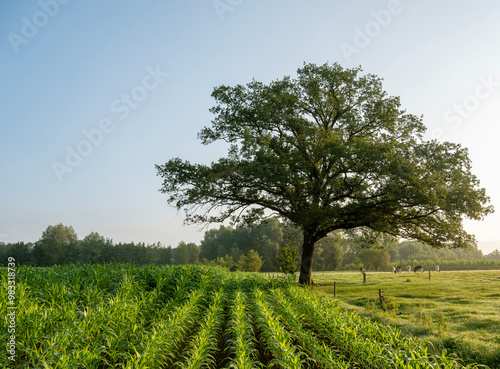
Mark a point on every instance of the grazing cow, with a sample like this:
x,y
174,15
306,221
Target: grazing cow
x,y
362,270
418,268
399,268
393,270
408,268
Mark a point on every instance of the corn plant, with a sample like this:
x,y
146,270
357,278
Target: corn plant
x,y
242,341
277,340
199,353
318,352
365,343
157,347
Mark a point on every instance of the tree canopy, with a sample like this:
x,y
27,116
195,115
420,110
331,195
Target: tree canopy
x,y
328,150
288,259
57,245
251,262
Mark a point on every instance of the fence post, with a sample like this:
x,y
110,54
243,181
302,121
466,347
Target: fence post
x,y
381,299
334,289
364,277
429,275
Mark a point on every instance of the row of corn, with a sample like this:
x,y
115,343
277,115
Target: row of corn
x,y
125,316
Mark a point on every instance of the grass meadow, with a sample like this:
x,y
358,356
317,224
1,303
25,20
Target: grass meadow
x,y
458,311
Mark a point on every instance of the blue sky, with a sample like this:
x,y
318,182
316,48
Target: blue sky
x,y
94,94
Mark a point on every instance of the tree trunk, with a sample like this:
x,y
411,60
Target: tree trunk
x,y
307,259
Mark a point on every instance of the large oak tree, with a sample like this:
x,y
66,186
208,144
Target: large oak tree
x,y
328,150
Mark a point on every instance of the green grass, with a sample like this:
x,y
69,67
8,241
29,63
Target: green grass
x,y
457,311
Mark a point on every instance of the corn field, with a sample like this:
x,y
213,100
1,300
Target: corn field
x,y
125,316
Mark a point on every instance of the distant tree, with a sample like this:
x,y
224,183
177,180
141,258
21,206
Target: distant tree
x,y
143,254
392,247
217,242
469,253
328,150
186,253
265,237
373,248
409,248
330,251
494,255
91,247
108,252
160,255
39,256
419,251
3,253
166,255
20,251
209,262
226,261
127,252
251,262
376,258
350,252
288,259
58,245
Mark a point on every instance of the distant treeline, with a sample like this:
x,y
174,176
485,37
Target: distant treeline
x,y
254,247
59,245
